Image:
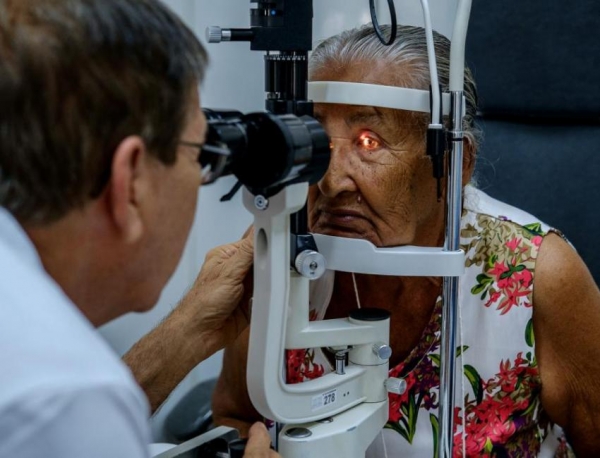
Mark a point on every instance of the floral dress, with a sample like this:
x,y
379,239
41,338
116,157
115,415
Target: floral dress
x,y
497,403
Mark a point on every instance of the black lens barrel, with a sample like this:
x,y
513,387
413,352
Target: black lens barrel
x,y
268,151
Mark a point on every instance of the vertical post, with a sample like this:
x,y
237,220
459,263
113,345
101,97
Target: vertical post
x,y
451,284
454,199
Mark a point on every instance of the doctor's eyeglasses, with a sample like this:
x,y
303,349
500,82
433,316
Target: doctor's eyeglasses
x,y
212,160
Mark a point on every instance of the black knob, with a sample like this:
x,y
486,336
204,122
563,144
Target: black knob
x,y
369,314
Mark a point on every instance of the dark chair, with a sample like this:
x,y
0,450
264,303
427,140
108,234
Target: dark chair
x,y
192,415
537,67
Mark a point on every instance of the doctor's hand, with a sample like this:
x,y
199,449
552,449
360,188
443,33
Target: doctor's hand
x,y
259,443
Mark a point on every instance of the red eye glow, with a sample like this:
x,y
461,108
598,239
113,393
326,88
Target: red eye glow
x,y
368,143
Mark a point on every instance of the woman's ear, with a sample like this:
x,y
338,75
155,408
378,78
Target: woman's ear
x,y
127,187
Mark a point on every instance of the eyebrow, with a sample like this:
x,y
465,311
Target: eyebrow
x,y
366,117
375,118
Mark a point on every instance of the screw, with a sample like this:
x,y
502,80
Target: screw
x,y
261,202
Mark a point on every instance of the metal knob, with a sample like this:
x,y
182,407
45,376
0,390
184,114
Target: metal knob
x,y
382,350
395,385
340,362
214,34
310,264
298,433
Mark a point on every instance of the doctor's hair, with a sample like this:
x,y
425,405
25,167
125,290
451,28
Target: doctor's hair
x,y
76,78
408,52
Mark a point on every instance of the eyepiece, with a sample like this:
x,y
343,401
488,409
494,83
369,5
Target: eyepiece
x,y
265,152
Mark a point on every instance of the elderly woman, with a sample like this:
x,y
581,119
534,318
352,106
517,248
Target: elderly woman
x,y
380,187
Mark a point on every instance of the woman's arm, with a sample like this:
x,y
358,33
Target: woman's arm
x,y
566,318
231,403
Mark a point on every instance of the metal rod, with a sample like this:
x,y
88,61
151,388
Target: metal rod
x,y
451,284
278,428
340,363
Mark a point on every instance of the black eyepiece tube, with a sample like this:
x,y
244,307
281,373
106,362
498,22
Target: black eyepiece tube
x,y
265,151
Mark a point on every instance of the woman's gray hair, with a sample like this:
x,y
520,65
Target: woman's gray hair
x,y
408,51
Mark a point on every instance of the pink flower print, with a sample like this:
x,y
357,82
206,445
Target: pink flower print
x,y
513,287
524,278
493,298
301,366
513,244
497,418
501,432
512,298
537,240
508,377
499,269
488,423
295,365
519,360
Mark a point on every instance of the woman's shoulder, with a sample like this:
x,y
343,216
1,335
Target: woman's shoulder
x,y
491,226
480,206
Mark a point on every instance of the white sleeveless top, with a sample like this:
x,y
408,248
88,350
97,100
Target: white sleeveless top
x,y
497,400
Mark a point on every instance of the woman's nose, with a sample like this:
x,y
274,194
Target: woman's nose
x,y
338,177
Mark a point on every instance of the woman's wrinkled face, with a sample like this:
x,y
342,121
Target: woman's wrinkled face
x,y
379,185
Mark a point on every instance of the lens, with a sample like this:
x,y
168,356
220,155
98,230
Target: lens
x,y
265,152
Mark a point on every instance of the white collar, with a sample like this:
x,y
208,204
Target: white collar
x,y
16,239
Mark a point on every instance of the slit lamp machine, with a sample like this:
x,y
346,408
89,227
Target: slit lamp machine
x,y
341,413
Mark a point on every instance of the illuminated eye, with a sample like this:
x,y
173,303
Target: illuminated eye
x,y
368,143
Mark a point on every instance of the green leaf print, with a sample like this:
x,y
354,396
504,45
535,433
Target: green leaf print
x,y
399,429
489,446
475,381
435,358
484,279
492,260
477,289
413,412
511,270
407,426
435,427
534,228
483,282
529,337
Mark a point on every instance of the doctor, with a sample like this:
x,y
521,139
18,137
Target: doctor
x,y
97,197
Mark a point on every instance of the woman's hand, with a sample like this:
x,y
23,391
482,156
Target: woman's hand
x,y
208,318
214,299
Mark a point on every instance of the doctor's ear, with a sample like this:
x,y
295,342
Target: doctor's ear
x,y
128,188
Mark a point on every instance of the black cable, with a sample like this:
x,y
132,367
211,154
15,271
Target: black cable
x,y
394,26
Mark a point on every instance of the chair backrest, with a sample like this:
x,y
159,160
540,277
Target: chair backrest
x,y
537,67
